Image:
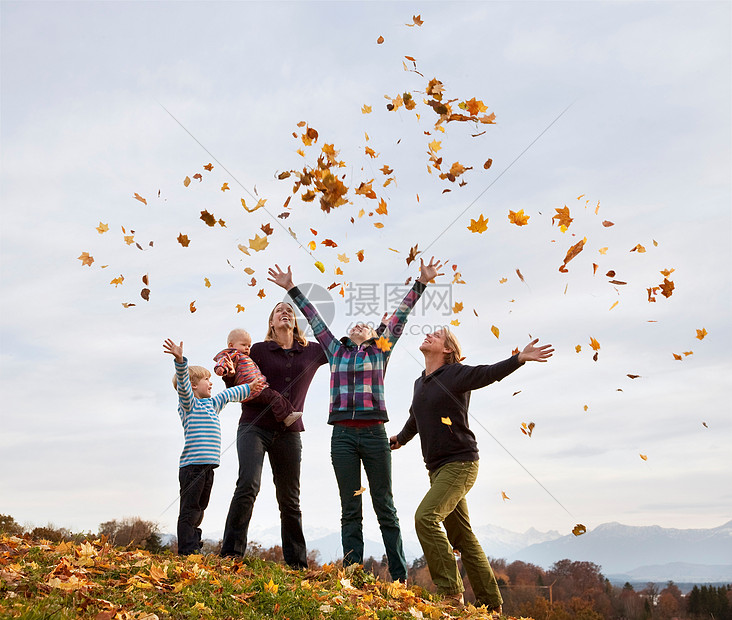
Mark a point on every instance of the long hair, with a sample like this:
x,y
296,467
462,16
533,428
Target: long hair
x,y
451,342
297,334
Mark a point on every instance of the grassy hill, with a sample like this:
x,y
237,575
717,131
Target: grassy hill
x,y
97,581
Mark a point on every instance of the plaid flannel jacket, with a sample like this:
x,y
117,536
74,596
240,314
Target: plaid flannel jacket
x,y
357,372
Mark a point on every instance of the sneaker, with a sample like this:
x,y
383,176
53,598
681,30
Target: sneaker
x,y
456,600
293,417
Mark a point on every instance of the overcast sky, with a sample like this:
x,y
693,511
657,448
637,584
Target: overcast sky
x,y
621,105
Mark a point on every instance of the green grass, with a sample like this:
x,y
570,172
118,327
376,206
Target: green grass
x,y
94,580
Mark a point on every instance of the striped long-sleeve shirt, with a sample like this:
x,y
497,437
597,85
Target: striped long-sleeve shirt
x,y
357,371
200,419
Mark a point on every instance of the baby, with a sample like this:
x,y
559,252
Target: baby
x,y
234,362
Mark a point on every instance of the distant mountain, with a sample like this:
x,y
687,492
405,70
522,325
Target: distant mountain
x,y
621,549
498,542
678,572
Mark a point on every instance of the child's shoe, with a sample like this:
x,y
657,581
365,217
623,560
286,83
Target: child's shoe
x,y
293,417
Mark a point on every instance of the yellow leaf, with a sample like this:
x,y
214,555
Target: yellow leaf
x,y
578,348
495,331
518,217
258,243
312,245
271,587
384,344
435,146
207,282
446,421
594,344
129,239
615,304
458,307
366,109
478,226
586,407
248,270
86,259
186,181
343,258
503,280
224,187
118,281
603,251
102,228
320,266
455,322
359,492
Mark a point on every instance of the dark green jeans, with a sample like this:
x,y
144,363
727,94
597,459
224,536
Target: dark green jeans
x,y
445,504
349,447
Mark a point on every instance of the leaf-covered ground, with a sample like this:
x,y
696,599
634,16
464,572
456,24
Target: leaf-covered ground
x,y
96,580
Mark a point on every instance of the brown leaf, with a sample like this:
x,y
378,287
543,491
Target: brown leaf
x,y
183,240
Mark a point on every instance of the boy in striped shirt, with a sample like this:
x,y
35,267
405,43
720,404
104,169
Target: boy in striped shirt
x,y
199,414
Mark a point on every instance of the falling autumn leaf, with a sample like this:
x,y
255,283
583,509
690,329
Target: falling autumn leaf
x,y
145,294
186,181
359,492
312,245
258,243
266,229
86,259
224,187
594,344
518,217
261,294
117,281
209,167
572,253
527,429
412,254
677,357
320,266
416,21
183,240
667,288
343,258
495,331
140,198
192,306
239,308
478,226
607,224
208,218
102,228
579,529
701,333
504,497
455,323
359,256
384,344
379,41
644,456
562,217
488,163
446,421
638,248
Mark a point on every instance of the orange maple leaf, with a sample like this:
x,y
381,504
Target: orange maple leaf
x,y
239,308
224,187
329,243
384,344
140,198
504,497
366,109
261,294
562,217
458,307
667,288
208,167
86,259
371,152
700,333
118,280
518,217
478,226
102,228
594,344
381,209
416,21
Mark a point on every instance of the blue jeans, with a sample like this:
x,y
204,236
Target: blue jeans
x,y
284,450
195,491
349,448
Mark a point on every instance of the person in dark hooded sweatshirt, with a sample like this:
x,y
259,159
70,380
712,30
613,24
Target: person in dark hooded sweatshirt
x,y
439,413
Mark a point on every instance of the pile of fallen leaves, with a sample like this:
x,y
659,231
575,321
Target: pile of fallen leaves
x,y
96,580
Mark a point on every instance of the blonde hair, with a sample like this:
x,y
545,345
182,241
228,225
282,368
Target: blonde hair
x,y
451,342
237,333
296,333
196,373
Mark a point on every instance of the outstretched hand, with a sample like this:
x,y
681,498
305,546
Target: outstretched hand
x,y
176,350
429,272
281,278
535,354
